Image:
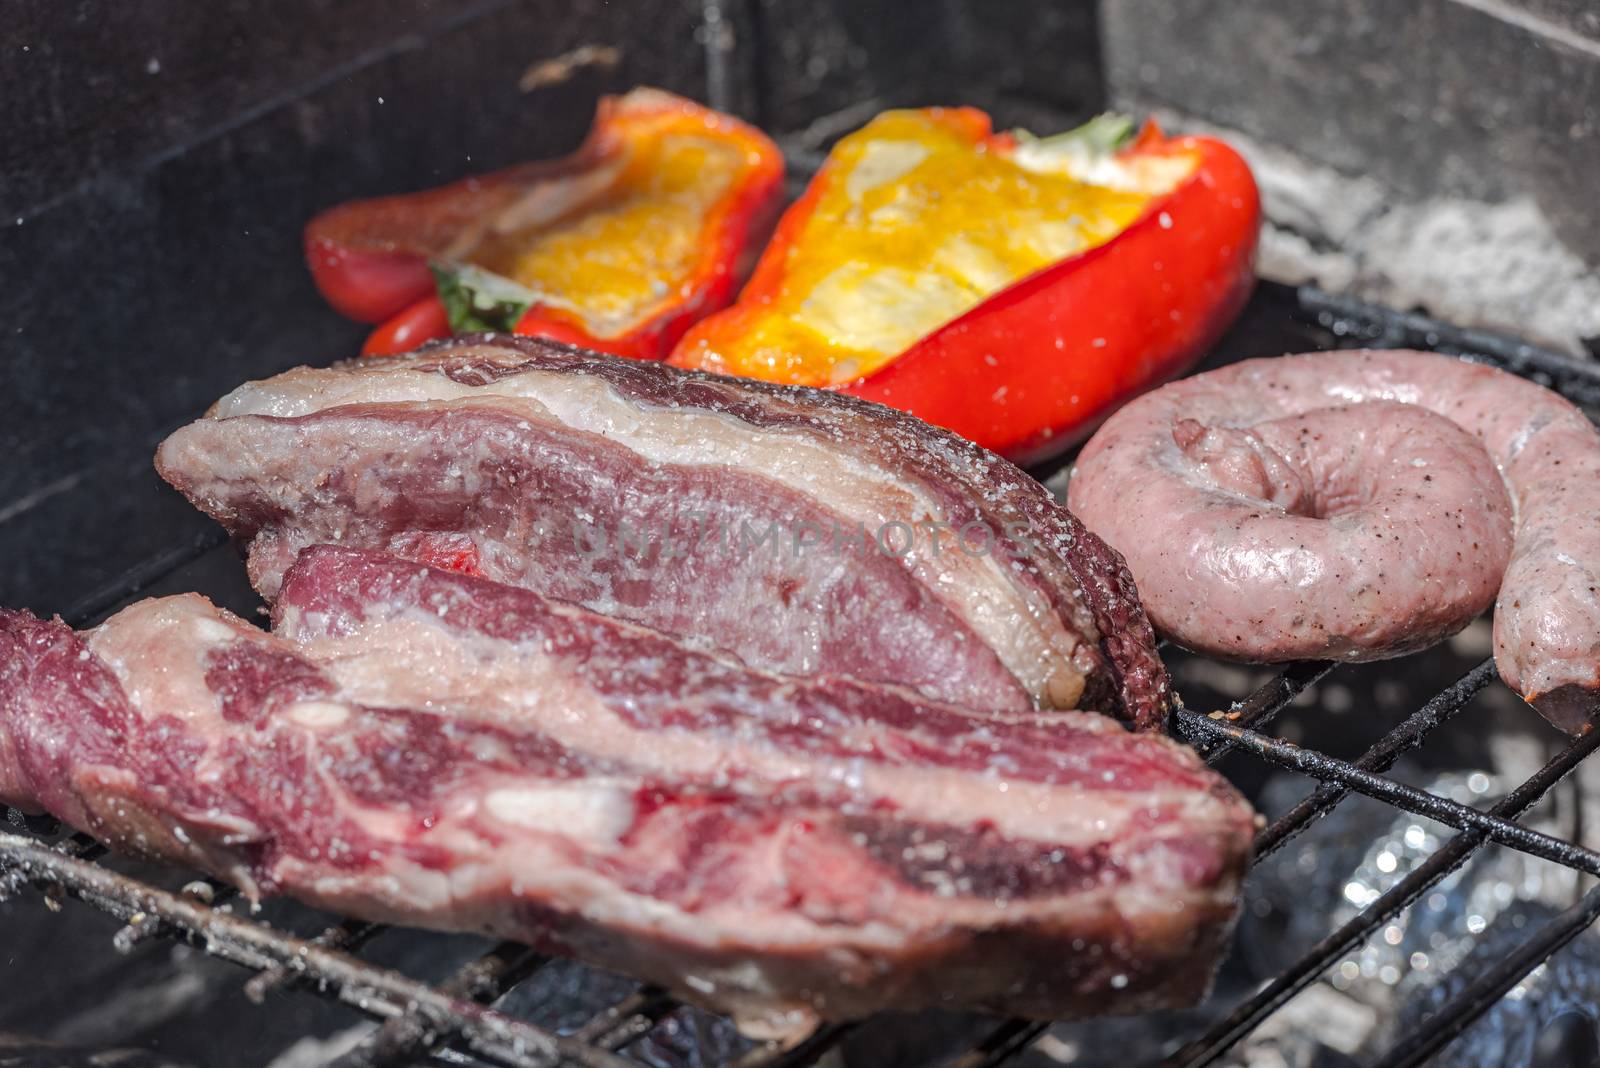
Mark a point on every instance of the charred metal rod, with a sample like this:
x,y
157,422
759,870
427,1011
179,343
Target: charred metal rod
x,y
410,1036
628,1020
1573,377
378,991
1263,704
14,878
143,927
1380,757
35,823
1481,994
350,935
1244,1019
1409,798
1000,1045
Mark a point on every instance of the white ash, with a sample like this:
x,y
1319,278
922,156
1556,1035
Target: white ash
x,y
1496,265
1320,1013
312,1051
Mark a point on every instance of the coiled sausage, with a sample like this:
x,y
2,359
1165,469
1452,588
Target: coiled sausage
x,y
1360,505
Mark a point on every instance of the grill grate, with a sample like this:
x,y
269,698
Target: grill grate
x,y
453,1022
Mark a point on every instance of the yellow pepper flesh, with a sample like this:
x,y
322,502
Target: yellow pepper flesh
x,y
915,225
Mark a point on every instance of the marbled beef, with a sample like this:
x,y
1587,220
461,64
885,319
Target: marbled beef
x,y
420,746
800,530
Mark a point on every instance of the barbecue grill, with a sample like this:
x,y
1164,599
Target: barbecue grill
x,y
454,1021
487,1010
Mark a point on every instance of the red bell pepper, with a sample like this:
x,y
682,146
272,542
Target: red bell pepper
x,y
1012,289
619,247
423,321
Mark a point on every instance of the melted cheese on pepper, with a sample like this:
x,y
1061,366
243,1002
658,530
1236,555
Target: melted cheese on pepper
x,y
918,226
612,252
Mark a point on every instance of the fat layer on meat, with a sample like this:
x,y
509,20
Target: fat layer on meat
x,y
429,748
800,530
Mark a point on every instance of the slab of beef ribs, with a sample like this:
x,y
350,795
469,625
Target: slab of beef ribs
x,y
797,529
426,747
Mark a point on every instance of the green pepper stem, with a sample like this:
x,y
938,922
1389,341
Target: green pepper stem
x,y
1100,136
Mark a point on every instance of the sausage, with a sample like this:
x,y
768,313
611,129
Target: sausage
x,y
1360,505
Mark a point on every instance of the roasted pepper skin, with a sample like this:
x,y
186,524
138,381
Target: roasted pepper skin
x,y
427,320
365,285
1035,367
422,321
1074,342
370,259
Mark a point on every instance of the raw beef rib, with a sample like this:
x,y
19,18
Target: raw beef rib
x,y
800,530
425,747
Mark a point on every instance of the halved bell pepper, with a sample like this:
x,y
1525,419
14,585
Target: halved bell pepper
x,y
619,247
1014,289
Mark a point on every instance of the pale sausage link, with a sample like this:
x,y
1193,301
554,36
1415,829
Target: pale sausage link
x,y
1318,506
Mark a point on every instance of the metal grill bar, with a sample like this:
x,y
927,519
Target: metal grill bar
x,y
628,1020
1380,757
413,1035
349,936
1409,798
1481,994
1257,710
142,927
1322,956
376,991
1008,1040
78,847
486,980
